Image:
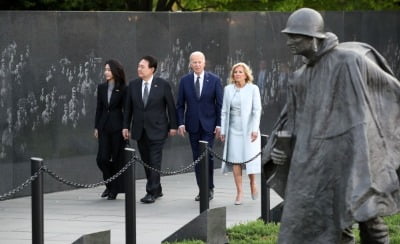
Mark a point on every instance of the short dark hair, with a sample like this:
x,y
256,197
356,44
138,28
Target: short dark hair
x,y
152,61
117,71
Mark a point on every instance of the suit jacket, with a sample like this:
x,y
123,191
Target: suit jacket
x,y
109,116
157,117
206,110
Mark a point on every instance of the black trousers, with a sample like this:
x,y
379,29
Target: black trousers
x,y
110,158
151,154
194,138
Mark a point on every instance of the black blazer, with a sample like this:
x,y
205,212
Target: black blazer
x,y
109,116
158,117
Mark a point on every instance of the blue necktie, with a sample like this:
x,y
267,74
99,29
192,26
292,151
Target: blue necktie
x,y
197,84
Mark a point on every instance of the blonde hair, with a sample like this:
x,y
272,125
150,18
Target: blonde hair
x,y
247,72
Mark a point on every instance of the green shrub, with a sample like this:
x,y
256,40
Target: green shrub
x,y
186,242
253,232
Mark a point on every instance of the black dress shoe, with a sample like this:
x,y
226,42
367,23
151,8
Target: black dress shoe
x,y
112,196
158,195
105,193
210,195
148,198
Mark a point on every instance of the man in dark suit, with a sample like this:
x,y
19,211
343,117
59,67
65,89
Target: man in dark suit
x,y
150,106
199,111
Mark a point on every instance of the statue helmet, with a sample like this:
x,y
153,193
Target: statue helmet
x,y
305,21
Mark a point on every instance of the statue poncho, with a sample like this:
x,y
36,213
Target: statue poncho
x,y
343,110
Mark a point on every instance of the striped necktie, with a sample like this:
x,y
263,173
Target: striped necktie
x,y
145,93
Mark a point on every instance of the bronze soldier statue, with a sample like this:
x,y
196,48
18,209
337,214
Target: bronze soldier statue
x,y
342,163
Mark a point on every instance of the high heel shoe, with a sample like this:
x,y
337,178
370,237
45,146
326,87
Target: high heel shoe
x,y
238,200
112,196
254,193
105,193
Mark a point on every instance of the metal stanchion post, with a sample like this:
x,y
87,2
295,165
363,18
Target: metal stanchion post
x,y
204,188
265,190
37,202
130,199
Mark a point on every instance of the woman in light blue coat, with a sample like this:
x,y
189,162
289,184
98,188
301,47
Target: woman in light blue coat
x,y
240,122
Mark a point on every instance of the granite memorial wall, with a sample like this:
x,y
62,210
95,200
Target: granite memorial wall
x,y
51,63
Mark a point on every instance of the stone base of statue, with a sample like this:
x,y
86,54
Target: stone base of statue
x,y
209,226
276,213
102,237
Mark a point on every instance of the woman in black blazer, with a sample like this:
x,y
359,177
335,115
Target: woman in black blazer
x,y
108,126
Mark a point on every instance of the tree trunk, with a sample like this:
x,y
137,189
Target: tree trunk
x,y
165,5
139,5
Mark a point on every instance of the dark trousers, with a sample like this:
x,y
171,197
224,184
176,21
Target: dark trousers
x,y
110,158
151,154
194,138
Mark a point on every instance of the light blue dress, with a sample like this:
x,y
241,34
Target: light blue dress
x,y
235,144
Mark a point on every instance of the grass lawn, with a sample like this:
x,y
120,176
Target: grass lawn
x,y
256,232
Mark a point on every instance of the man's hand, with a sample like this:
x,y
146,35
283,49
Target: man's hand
x,y
125,134
96,133
222,138
181,130
217,132
172,132
279,157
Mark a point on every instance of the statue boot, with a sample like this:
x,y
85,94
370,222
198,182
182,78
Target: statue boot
x,y
374,231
